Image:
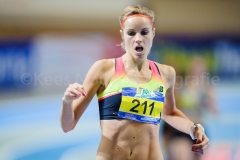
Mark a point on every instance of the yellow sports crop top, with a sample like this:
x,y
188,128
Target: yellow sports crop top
x,y
126,99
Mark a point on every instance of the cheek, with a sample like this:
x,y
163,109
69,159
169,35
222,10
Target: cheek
x,y
149,41
128,41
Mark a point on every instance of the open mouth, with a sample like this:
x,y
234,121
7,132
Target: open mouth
x,y
139,49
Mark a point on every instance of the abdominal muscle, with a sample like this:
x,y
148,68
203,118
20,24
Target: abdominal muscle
x,y
129,140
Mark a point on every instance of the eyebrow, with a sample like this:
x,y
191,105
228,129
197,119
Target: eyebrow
x,y
141,29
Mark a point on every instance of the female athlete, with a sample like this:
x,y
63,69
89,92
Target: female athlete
x,y
133,93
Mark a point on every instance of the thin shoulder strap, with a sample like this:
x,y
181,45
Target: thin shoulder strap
x,y
154,68
119,67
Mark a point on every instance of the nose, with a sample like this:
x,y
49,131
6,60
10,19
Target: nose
x,y
138,38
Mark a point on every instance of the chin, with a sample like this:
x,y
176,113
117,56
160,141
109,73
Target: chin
x,y
140,55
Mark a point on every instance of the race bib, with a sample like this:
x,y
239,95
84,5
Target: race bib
x,y
141,105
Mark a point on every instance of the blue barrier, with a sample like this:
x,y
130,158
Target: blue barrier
x,y
16,62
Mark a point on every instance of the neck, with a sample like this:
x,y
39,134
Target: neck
x,y
130,62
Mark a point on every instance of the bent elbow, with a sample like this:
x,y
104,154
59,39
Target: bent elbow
x,y
67,128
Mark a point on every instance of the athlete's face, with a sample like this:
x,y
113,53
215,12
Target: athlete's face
x,y
137,34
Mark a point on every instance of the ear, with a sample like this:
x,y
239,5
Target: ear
x,y
121,33
153,32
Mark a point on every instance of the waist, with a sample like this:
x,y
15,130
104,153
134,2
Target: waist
x,y
126,139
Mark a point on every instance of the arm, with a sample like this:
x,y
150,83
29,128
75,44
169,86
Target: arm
x,y
171,114
175,117
77,97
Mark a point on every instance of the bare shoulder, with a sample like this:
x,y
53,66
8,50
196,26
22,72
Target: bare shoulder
x,y
104,64
101,67
168,73
102,70
166,70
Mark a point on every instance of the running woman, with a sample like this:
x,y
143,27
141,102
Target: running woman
x,y
134,94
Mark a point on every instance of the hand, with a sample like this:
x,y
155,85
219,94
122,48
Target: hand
x,y
202,141
73,92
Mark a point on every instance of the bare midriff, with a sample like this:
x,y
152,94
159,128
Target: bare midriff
x,y
129,140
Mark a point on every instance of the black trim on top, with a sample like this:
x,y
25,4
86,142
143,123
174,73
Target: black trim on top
x,y
157,69
109,107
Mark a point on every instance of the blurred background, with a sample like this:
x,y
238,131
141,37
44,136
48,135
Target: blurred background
x,y
46,45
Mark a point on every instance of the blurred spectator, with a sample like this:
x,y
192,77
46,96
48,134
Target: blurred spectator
x,y
194,96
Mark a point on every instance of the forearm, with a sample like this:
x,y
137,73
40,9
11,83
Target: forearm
x,y
67,119
179,121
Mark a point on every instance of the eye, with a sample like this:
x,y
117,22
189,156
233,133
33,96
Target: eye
x,y
130,33
144,32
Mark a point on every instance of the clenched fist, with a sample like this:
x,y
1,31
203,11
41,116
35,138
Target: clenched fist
x,y
73,92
